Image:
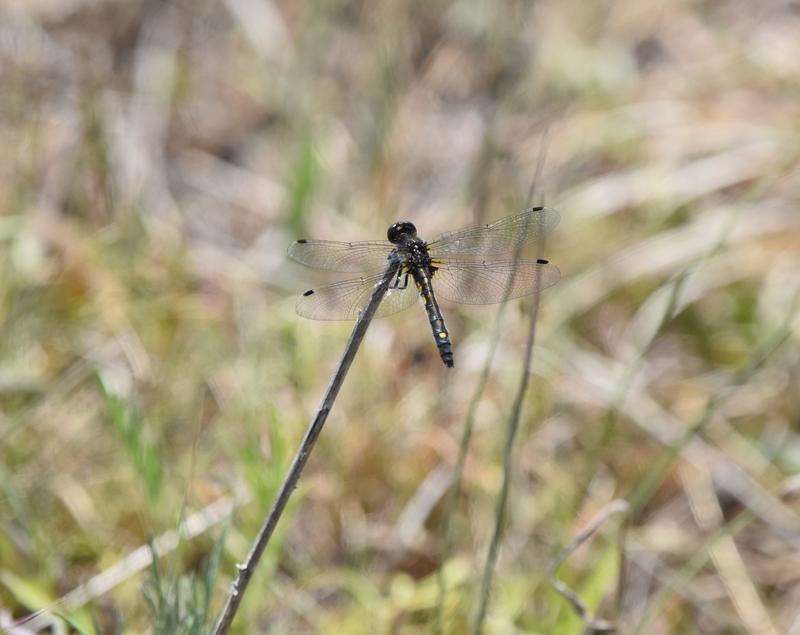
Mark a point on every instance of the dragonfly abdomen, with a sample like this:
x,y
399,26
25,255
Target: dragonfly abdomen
x,y
440,334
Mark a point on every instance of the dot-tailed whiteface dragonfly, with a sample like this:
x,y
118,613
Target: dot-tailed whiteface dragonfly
x,y
476,265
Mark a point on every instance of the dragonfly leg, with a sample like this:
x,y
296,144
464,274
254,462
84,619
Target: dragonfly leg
x,y
396,283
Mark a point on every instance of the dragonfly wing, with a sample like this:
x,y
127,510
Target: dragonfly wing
x,y
475,282
344,300
504,236
340,256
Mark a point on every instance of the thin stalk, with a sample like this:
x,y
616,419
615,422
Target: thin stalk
x,y
502,500
513,426
246,570
458,470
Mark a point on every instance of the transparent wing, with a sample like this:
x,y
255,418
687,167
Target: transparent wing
x,y
501,237
339,256
471,282
345,300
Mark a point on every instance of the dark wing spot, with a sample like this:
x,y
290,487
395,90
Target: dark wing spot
x,y
309,292
542,261
537,209
302,241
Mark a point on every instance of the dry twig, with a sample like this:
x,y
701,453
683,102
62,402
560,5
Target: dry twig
x,y
246,570
593,624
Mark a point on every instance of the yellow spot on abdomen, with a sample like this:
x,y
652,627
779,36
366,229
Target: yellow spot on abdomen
x,y
442,335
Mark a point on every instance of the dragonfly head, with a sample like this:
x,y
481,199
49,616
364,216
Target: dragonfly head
x,y
400,231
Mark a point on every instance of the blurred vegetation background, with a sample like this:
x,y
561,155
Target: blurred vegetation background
x,y
159,157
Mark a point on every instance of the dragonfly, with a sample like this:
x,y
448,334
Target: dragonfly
x,y
475,265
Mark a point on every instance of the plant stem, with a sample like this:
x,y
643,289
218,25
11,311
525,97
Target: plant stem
x,y
246,570
502,500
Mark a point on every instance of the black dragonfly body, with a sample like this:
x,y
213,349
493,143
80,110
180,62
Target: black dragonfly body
x,y
477,265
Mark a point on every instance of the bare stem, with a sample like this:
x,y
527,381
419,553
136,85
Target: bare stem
x,y
245,570
513,426
502,499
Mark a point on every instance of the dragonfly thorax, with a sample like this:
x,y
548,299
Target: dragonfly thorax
x,y
401,232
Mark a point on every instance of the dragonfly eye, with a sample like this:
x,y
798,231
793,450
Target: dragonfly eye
x,y
398,230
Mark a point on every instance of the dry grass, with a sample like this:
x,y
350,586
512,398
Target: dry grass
x,y
158,157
